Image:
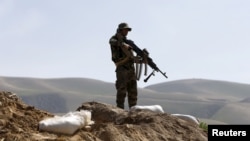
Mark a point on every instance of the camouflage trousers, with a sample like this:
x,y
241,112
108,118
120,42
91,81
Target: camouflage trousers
x,y
126,85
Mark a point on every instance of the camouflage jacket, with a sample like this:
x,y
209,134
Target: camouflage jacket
x,y
116,42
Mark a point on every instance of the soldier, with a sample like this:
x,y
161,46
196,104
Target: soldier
x,y
122,56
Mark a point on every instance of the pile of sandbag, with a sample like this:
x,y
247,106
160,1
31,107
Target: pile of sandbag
x,y
188,118
153,108
159,109
68,123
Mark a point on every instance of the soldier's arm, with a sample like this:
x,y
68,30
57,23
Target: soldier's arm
x,y
113,42
116,42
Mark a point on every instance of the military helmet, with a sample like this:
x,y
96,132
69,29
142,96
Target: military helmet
x,y
124,26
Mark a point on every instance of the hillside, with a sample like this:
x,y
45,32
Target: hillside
x,y
207,99
19,122
224,89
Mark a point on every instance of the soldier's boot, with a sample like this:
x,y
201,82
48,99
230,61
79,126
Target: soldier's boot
x,y
132,100
120,106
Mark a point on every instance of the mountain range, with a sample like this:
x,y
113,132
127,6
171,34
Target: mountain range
x,y
214,101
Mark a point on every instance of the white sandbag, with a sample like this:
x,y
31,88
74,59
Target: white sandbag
x,y
188,118
68,123
154,108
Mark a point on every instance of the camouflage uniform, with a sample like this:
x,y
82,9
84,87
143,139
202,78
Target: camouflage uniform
x,y
126,83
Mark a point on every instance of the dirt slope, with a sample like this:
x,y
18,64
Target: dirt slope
x,y
19,122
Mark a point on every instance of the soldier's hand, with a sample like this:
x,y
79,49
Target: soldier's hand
x,y
126,46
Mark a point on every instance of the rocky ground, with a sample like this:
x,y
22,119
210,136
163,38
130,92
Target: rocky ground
x,y
19,122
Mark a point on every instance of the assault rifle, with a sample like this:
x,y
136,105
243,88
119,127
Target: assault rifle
x,y
149,61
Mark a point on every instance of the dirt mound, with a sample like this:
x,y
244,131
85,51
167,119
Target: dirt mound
x,y
19,122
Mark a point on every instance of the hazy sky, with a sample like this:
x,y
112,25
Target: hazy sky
x,y
207,39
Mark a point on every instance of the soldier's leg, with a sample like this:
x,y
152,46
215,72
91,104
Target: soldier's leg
x,y
132,93
121,89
